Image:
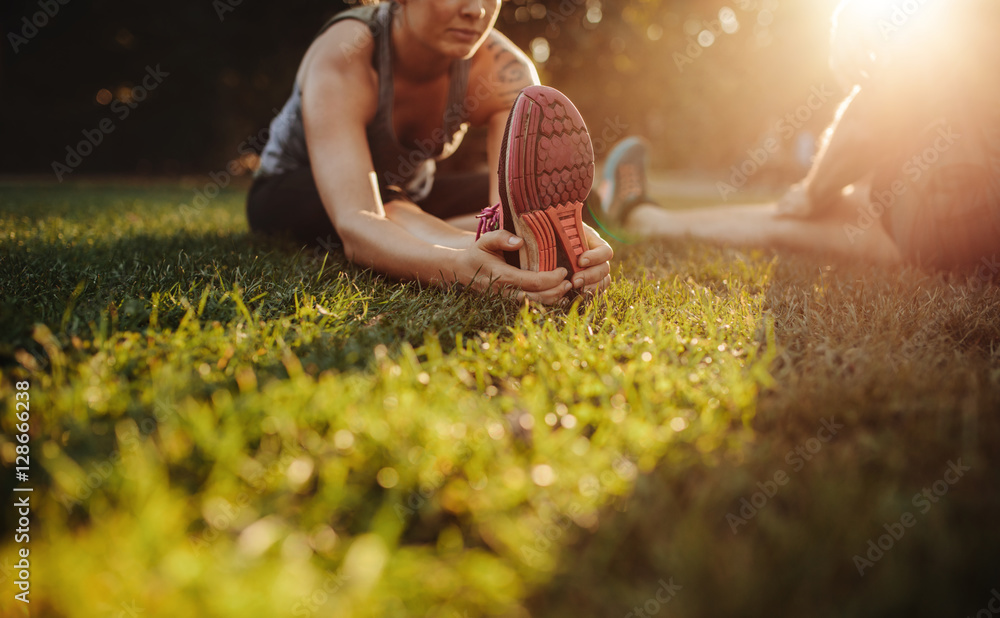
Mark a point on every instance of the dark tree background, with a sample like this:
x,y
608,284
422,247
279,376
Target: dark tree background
x,y
638,66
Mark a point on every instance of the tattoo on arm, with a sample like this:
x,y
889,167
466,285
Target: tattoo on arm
x,y
514,78
512,75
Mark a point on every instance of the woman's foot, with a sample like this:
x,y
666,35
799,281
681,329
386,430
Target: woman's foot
x,y
546,173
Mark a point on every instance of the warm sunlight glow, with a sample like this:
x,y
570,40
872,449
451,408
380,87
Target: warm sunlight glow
x,y
870,33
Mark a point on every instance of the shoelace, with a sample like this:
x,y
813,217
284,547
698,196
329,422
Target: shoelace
x,y
490,220
630,177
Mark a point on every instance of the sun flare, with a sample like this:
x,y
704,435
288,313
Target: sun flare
x,y
868,34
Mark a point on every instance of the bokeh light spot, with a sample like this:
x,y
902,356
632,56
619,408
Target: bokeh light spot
x,y
387,477
730,23
543,475
343,439
124,94
125,38
540,49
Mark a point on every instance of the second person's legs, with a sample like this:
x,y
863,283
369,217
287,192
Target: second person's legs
x,y
625,203
760,225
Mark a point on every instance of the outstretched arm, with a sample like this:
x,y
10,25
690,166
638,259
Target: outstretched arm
x,y
853,148
339,96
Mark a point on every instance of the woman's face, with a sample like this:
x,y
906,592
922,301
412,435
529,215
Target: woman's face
x,y
453,28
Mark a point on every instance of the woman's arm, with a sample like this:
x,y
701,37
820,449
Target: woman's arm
x,y
870,124
848,154
339,97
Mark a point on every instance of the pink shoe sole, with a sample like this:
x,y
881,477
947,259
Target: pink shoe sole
x,y
546,173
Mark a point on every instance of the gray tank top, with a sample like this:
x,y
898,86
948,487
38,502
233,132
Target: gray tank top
x,y
409,168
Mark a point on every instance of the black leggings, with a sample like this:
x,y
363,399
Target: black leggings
x,y
289,204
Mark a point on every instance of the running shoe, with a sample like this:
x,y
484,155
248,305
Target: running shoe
x,y
546,173
623,183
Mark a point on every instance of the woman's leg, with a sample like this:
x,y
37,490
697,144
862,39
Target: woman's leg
x,y
289,205
759,224
458,198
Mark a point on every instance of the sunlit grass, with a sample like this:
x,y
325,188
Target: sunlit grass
x,y
229,426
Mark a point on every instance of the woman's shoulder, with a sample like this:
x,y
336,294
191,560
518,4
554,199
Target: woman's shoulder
x,y
346,41
345,46
499,53
498,72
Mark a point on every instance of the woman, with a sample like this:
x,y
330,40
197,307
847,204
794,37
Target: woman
x,y
910,169
383,92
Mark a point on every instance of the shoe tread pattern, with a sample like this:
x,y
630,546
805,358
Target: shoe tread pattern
x,y
546,173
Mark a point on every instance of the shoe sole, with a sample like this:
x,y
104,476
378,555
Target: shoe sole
x,y
546,173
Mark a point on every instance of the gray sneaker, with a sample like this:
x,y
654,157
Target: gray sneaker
x,y
623,184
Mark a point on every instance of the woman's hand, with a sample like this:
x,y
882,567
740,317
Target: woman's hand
x,y
597,276
795,204
483,267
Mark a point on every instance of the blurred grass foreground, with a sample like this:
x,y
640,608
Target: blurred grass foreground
x,y
225,426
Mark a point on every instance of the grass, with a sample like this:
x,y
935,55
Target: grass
x,y
223,425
